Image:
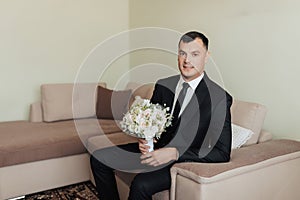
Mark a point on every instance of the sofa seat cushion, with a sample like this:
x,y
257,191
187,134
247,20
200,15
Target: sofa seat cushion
x,y
23,141
108,140
254,157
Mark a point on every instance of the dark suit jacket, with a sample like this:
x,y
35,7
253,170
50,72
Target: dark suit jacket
x,y
203,131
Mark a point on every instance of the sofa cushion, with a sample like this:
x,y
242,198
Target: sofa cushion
x,y
26,142
249,115
23,141
112,104
108,140
61,102
265,136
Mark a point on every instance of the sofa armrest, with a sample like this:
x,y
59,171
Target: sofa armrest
x,y
36,113
244,160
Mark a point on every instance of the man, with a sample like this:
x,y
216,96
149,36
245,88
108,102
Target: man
x,y
200,131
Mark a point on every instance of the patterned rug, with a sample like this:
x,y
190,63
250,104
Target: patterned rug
x,y
80,191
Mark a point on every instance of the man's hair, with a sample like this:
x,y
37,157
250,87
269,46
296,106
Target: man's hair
x,y
192,35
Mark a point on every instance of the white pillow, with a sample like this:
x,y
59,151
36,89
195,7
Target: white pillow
x,y
240,136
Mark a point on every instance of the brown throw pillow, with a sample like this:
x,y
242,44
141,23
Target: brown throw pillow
x,y
112,104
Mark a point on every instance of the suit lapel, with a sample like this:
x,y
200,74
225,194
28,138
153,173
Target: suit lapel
x,y
169,93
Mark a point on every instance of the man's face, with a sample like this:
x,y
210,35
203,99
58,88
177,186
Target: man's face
x,y
192,57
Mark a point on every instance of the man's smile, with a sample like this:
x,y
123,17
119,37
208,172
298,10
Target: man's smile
x,y
188,66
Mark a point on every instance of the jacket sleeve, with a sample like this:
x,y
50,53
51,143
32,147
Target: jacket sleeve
x,y
156,96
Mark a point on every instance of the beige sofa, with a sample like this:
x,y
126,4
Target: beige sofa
x,y
47,152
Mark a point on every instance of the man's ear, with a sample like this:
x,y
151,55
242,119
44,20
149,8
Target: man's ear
x,y
207,56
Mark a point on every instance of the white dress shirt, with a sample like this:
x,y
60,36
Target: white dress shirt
x,y
190,91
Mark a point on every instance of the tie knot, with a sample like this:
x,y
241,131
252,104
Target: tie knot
x,y
185,86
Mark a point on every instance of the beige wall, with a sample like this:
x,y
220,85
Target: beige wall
x,y
255,44
46,42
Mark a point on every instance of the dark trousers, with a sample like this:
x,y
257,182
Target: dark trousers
x,y
149,181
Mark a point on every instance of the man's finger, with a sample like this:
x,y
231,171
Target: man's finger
x,y
146,156
142,141
147,160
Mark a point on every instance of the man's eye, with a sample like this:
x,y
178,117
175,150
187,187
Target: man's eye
x,y
181,53
195,54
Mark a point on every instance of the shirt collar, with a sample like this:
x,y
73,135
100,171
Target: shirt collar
x,y
194,83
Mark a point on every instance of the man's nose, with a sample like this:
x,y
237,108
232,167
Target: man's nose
x,y
187,58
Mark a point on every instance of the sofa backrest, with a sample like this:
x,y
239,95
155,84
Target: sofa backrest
x,y
245,114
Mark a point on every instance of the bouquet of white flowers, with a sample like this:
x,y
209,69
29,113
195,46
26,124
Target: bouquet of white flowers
x,y
146,120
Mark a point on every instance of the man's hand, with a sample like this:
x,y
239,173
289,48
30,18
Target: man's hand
x,y
160,156
144,148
